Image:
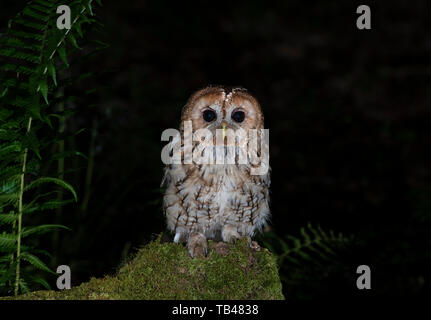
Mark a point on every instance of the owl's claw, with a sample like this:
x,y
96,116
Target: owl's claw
x,y
253,244
230,234
177,237
197,245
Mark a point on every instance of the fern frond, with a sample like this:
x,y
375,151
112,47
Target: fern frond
x,y
8,218
57,181
8,197
8,272
47,205
14,53
34,54
17,69
17,43
41,229
312,244
23,285
5,258
35,11
25,35
7,242
9,148
38,280
30,24
36,262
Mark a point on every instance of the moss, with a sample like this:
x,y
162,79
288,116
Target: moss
x,y
165,271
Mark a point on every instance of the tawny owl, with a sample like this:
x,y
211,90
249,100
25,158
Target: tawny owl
x,y
212,200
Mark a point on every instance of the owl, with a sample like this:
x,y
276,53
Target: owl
x,y
211,200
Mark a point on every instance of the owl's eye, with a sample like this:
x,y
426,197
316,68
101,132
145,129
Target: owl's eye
x,y
209,115
238,116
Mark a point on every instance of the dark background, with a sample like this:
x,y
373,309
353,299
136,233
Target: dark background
x,y
348,113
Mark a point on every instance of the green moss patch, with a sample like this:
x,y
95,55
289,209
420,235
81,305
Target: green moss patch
x,y
166,271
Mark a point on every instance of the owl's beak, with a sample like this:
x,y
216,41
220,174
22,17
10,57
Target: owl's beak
x,y
223,126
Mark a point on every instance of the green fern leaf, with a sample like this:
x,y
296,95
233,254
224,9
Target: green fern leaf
x,y
47,205
32,11
45,4
36,262
38,280
8,273
308,247
59,182
5,258
51,70
23,286
8,218
7,242
8,197
16,54
62,52
9,148
41,229
20,44
43,86
29,24
25,35
17,69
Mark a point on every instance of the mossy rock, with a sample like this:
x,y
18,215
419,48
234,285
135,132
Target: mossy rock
x,y
165,271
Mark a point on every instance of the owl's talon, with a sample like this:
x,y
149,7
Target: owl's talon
x,y
230,234
197,245
254,246
177,237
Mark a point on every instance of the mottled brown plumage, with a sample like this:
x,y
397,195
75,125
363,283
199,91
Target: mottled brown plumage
x,y
216,201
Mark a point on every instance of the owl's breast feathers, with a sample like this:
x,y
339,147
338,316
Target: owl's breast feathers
x,y
207,197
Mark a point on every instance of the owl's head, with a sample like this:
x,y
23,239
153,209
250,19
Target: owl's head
x,y
222,108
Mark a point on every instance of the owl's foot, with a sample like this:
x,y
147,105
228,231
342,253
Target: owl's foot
x,y
252,244
197,245
179,237
230,234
